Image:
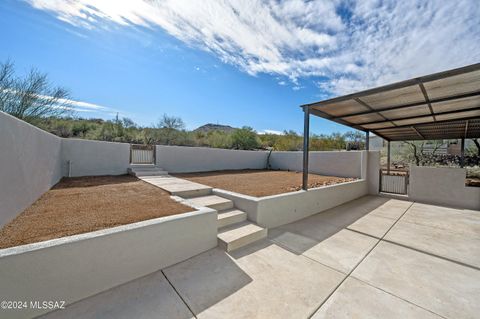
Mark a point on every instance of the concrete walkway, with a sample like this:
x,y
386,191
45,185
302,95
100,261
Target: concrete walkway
x,y
370,258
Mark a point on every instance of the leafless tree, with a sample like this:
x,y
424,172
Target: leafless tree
x,y
32,96
168,128
417,150
171,122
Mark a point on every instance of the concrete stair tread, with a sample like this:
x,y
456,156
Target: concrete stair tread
x,y
230,217
152,173
211,201
146,171
240,234
187,190
145,168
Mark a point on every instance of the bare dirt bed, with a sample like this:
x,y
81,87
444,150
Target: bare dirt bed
x,y
84,204
260,183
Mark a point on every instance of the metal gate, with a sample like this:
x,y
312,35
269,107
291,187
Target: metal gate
x,y
394,182
142,154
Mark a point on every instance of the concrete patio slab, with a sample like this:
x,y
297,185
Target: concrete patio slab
x,y
356,299
372,225
455,220
262,280
348,213
461,247
340,249
393,209
293,272
443,287
145,298
312,228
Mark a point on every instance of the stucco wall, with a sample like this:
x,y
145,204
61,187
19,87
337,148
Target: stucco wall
x,y
91,158
30,164
180,159
277,210
373,172
76,267
442,186
343,164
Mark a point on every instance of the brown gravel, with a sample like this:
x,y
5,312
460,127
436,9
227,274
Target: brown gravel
x,y
260,183
84,204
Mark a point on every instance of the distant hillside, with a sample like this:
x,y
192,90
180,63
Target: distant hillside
x,y
214,127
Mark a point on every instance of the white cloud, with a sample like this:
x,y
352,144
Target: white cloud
x,y
84,107
271,132
370,43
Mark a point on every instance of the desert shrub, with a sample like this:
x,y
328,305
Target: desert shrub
x,y
245,138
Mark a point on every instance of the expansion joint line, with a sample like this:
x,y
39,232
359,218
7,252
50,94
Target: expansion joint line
x,y
178,294
361,260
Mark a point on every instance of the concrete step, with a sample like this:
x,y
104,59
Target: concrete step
x,y
211,201
149,173
230,216
188,190
146,170
142,165
239,235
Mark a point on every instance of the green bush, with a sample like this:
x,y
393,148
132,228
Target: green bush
x,y
245,138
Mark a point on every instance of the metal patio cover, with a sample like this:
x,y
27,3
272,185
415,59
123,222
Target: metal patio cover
x,y
443,105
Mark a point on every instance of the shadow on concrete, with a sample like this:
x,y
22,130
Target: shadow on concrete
x,y
304,234
206,279
250,249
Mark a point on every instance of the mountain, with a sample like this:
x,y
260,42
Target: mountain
x,y
214,127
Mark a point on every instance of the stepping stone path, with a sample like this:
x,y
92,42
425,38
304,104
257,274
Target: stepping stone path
x,y
234,230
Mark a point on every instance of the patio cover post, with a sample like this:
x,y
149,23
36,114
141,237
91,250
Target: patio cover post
x,y
367,140
388,157
306,143
462,153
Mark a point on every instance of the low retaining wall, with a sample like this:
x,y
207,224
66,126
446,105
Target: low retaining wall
x,y
73,268
277,210
182,159
443,186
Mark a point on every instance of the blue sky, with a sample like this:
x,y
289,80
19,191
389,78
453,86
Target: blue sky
x,y
232,62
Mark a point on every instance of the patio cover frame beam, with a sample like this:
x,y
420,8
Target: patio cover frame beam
x,y
306,146
429,129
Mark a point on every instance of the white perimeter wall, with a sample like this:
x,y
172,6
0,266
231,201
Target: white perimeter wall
x,y
91,158
442,186
181,159
343,164
30,164
32,161
76,267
